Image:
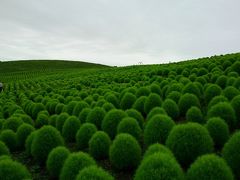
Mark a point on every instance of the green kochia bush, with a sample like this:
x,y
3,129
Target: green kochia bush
x,y
209,167
83,114
56,159
44,141
157,148
136,115
153,100
111,121
96,116
188,141
231,151
212,91
70,128
61,120
157,129
9,138
3,149
36,109
12,123
125,152
130,125
74,164
171,108
42,119
156,111
159,166
139,104
84,134
194,114
186,101
12,170
225,111
28,142
235,103
94,173
230,92
127,100
218,130
216,100
99,145
22,133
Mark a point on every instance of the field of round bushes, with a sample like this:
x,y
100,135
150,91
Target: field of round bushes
x,y
177,121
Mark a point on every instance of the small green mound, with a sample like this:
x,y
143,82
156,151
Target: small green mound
x,y
70,128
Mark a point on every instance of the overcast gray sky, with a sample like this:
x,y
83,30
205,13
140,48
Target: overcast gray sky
x,y
122,32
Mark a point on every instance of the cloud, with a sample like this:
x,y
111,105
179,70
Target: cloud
x,y
118,32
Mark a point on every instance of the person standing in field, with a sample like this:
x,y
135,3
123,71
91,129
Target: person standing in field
x,y
1,87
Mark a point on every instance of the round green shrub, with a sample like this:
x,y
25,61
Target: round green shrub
x,y
235,103
130,125
159,166
94,173
22,133
235,67
107,106
209,166
174,95
59,108
212,91
127,101
157,148
192,89
156,111
216,100
12,123
230,92
96,116
125,152
5,157
231,151
218,130
26,119
61,120
139,104
53,120
83,114
3,149
12,170
157,129
112,99
111,121
28,142
44,141
74,164
171,107
42,119
143,91
194,114
225,111
186,101
36,109
9,137
70,128
56,159
221,81
84,134
70,108
99,145
153,100
136,115
79,107
188,141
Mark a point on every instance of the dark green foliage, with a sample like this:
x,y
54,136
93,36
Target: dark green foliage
x,y
188,141
157,129
171,108
59,108
70,128
216,100
159,166
209,167
12,170
235,103
139,104
236,67
108,106
12,123
194,114
84,134
153,100
96,116
231,151
9,137
94,173
52,120
136,115
157,148
112,99
74,164
192,89
79,106
156,111
230,92
225,111
130,125
218,130
99,145
28,143
83,114
212,91
56,159
174,95
187,101
3,149
125,152
61,120
143,91
36,109
127,101
42,119
111,121
221,81
44,141
22,133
